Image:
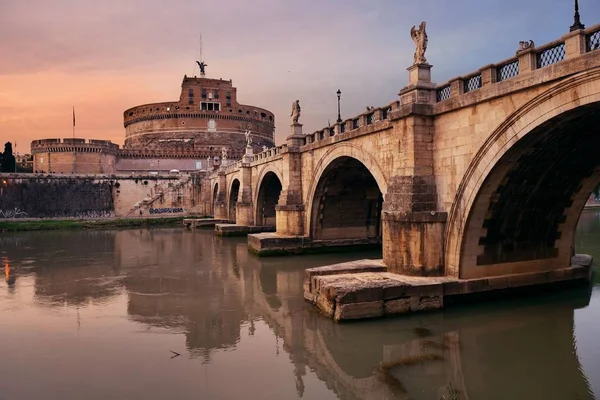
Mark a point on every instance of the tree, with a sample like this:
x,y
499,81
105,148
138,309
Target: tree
x,y
8,159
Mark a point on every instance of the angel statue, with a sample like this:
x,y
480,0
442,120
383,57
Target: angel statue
x,y
419,36
295,112
248,138
224,153
202,65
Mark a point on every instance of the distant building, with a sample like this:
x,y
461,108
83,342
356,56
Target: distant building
x,y
187,135
24,162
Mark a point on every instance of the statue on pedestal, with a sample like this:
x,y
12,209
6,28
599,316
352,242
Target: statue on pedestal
x,y
224,154
419,36
525,45
295,112
248,138
202,65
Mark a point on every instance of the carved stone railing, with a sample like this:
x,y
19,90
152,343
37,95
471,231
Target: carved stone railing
x,y
272,152
573,44
372,116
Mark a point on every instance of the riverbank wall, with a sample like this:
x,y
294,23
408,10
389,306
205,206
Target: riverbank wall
x,y
58,196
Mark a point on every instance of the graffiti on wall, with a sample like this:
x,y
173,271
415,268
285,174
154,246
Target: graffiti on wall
x,y
14,213
170,210
85,213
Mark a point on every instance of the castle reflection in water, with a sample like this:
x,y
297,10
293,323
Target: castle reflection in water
x,y
208,288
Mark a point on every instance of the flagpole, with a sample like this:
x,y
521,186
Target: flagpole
x,y
73,122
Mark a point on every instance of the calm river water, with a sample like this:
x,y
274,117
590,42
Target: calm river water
x,y
98,315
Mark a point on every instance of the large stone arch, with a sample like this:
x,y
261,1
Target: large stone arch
x,y
334,152
514,143
267,175
232,197
214,197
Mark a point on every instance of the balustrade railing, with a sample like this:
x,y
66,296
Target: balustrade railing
x,y
593,41
472,83
551,55
443,93
507,70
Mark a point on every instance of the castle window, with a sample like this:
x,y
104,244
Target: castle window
x,y
203,93
263,115
209,106
228,102
228,95
216,94
191,96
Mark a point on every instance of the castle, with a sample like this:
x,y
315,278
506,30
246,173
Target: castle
x,y
190,134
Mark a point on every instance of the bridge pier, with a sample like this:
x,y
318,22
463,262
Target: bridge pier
x,y
413,242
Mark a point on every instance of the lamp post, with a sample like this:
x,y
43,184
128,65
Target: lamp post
x,y
339,119
576,21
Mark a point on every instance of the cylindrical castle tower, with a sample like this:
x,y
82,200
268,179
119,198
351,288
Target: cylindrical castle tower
x,y
206,119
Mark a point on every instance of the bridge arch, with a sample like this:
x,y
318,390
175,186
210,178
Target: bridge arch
x,y
518,204
270,185
215,197
232,199
346,196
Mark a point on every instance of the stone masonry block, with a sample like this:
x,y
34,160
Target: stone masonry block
x,y
371,309
398,306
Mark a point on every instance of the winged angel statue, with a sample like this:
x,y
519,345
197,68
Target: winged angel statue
x,y
419,36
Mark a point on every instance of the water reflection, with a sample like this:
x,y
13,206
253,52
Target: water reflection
x,y
215,294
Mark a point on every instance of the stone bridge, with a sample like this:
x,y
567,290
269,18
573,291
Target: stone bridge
x,y
484,175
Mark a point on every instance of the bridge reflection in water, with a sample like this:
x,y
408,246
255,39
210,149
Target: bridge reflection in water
x,y
212,290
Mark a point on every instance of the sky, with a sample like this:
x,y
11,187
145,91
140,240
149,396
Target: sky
x,y
103,57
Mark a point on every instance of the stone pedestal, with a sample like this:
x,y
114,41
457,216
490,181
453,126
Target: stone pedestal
x,y
290,220
419,73
296,137
249,155
420,89
413,242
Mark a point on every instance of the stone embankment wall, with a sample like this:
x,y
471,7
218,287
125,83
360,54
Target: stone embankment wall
x,y
98,196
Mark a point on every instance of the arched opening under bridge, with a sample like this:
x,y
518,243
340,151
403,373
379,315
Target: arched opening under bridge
x,y
268,197
233,198
347,203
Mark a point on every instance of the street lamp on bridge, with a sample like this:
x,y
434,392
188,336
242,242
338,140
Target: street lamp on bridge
x,y
339,119
576,21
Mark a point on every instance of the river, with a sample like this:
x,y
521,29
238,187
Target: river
x,y
176,314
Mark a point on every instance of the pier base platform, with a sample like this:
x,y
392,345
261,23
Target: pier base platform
x,y
364,289
203,222
240,230
270,243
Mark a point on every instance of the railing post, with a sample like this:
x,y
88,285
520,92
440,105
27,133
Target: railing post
x,y
575,44
456,87
527,60
488,75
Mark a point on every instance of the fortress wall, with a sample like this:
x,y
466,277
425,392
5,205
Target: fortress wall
x,y
97,196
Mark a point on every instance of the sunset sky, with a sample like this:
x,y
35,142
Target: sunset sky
x,y
106,56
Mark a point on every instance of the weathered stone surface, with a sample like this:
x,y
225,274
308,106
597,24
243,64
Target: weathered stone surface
x,y
398,306
354,295
372,309
239,230
97,196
